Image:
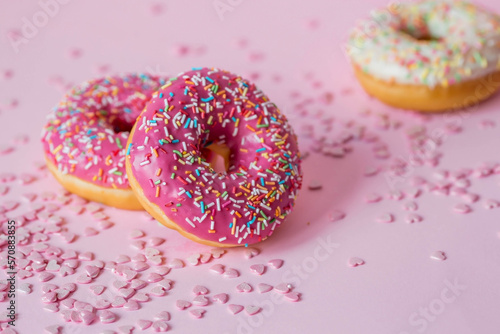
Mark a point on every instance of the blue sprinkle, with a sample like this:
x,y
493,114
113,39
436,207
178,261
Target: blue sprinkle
x,y
196,68
209,79
260,149
187,123
202,206
262,181
251,207
93,137
127,110
189,194
161,95
129,147
171,94
210,98
175,141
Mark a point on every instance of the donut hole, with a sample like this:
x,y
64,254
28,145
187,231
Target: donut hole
x,y
120,125
420,35
217,155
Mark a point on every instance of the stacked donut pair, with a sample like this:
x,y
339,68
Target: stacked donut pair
x,y
140,141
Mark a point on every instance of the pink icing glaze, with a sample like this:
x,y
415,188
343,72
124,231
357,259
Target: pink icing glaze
x,y
204,106
86,134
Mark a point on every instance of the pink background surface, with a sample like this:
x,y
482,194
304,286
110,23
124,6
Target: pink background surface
x,y
292,46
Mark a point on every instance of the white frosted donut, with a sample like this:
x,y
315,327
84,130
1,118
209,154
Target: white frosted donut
x,y
433,45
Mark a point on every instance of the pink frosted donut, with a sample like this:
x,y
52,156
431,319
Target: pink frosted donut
x,y
172,179
85,137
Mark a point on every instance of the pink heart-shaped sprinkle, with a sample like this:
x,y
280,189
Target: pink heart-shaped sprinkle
x,y
44,277
491,204
162,270
205,257
373,198
25,288
51,308
250,252
62,294
182,304
336,215
102,304
176,264
155,241
131,305
282,287
119,284
90,231
200,290
84,279
462,208
263,287
355,261
68,303
118,301
385,218
54,329
126,329
160,326
107,317
251,309
197,313
231,273
258,269
193,259
137,284
126,292
410,206
97,289
244,287
122,259
135,234
158,291
52,266
104,225
87,317
131,274
293,296
166,284
438,255
144,324
413,218
69,286
86,256
200,301
217,252
153,277
49,288
49,297
140,297
235,309
276,263
217,268
163,315
221,298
